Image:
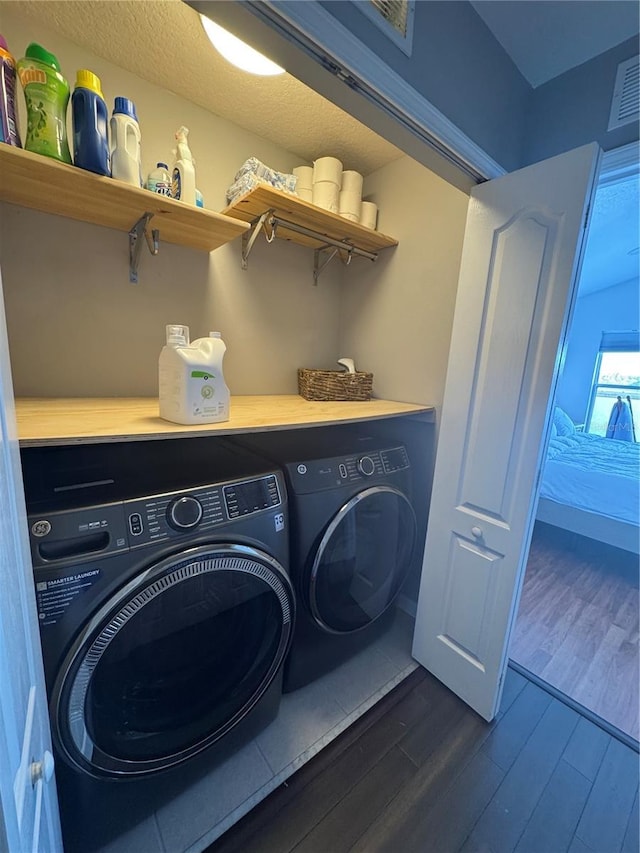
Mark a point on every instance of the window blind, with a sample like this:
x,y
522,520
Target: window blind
x,y
628,341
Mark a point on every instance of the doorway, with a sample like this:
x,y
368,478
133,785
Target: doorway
x,y
577,624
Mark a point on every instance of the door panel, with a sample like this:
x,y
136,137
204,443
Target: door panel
x,y
29,811
520,258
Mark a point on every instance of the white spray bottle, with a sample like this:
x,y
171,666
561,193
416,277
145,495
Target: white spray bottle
x,y
192,389
184,173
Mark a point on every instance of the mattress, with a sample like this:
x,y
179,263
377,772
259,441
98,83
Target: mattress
x,y
596,474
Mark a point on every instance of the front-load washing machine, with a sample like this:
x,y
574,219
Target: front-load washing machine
x,y
353,540
164,602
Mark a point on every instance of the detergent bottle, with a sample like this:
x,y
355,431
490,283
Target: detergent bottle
x,y
46,93
126,161
192,389
90,118
184,175
8,118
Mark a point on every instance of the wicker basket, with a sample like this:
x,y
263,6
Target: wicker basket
x,y
334,385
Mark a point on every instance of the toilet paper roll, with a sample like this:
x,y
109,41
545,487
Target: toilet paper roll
x,y
368,214
304,174
350,216
349,202
327,169
326,194
305,193
352,182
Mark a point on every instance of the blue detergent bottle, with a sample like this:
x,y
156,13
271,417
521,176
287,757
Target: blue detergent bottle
x,y
90,118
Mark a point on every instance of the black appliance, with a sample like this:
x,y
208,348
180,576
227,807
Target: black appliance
x,y
165,611
353,540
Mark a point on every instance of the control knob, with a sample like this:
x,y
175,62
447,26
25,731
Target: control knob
x,y
184,513
366,466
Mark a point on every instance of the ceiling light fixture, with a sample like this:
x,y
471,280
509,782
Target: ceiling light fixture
x,y
237,52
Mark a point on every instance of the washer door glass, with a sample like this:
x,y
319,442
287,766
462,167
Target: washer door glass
x,y
362,560
174,661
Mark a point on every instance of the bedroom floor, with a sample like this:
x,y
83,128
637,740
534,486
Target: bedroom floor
x,y
577,627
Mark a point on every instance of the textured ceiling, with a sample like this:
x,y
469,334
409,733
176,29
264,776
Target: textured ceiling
x,y
126,33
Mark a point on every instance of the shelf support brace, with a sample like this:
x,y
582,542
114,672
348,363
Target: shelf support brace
x,y
249,237
318,267
135,244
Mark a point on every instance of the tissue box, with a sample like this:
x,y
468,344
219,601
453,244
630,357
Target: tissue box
x,y
334,385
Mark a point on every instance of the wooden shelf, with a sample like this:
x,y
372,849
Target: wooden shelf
x,y
46,421
45,184
285,206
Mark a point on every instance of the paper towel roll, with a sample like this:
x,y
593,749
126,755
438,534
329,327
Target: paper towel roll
x,y
304,174
325,194
352,182
349,202
368,214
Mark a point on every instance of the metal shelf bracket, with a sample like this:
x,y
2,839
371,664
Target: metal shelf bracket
x,y
332,246
135,244
249,237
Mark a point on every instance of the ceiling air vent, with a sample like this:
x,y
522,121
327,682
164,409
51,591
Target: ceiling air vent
x,y
395,12
393,17
624,107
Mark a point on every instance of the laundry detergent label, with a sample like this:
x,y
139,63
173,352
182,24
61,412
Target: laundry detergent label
x,y
55,596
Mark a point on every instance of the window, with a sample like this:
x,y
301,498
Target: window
x,y
393,17
617,374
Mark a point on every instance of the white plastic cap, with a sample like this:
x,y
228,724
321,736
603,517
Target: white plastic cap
x,y
215,334
177,336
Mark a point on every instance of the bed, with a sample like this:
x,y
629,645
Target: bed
x,y
591,485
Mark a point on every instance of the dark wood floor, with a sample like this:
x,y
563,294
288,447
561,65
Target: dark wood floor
x,y
422,773
577,626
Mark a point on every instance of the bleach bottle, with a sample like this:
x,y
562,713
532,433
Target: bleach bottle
x,y
192,389
126,161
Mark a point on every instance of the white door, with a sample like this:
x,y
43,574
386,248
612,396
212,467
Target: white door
x,y
521,254
27,789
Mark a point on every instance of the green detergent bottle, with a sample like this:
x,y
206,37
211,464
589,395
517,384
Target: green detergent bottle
x,y
46,93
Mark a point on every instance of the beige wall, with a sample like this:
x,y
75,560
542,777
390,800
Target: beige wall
x,y
397,314
77,327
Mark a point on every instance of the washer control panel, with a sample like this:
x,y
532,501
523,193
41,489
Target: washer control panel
x,y
318,474
161,517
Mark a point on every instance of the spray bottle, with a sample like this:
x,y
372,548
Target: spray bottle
x,y
184,175
192,389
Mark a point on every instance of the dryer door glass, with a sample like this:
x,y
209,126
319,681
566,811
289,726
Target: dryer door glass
x,y
362,560
180,656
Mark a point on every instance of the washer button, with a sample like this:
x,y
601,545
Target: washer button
x,y
342,468
135,523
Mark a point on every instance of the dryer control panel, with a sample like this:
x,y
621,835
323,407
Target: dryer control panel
x,y
318,474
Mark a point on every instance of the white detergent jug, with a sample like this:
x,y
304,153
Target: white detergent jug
x,y
191,384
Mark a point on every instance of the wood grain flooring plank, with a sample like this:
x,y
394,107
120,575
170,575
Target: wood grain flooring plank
x,y
586,748
291,810
351,817
513,730
514,684
445,826
631,843
555,818
431,781
604,822
575,591
508,813
443,716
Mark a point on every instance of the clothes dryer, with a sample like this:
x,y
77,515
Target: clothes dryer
x,y
353,536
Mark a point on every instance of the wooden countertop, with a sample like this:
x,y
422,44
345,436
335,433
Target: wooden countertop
x,y
76,420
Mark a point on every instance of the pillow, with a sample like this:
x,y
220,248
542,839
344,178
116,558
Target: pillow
x,y
563,422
